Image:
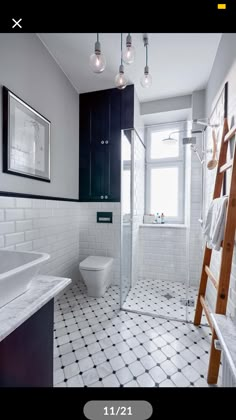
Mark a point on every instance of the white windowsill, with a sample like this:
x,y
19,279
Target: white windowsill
x,y
164,225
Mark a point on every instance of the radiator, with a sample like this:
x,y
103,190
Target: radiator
x,y
228,380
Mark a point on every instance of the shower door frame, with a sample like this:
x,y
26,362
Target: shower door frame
x,y
121,218
133,132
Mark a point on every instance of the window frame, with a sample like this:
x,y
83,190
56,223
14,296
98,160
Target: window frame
x,y
178,162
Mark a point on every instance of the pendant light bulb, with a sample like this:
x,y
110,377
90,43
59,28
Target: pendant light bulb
x,y
129,52
120,79
146,79
97,60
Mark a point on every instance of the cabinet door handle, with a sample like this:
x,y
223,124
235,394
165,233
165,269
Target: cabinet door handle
x,y
102,197
106,197
106,141
102,142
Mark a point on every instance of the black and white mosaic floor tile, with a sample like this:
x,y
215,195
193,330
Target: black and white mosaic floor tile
x,y
162,297
97,345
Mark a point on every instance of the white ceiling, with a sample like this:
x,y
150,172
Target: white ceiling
x,y
179,63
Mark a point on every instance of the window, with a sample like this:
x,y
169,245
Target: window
x,y
161,150
165,173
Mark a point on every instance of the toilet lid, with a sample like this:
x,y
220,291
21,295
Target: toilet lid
x,y
96,263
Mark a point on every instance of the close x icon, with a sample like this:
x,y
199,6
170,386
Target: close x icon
x,y
16,23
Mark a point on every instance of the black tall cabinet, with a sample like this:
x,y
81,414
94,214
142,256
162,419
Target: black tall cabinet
x,y
103,114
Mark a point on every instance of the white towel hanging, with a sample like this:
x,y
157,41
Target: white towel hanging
x,y
215,223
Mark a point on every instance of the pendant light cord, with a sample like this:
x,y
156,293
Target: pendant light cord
x,y
146,54
97,37
121,49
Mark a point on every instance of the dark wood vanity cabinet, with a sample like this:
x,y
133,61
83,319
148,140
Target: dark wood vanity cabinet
x,y
103,114
26,355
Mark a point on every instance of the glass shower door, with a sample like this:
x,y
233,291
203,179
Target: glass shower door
x,y
126,215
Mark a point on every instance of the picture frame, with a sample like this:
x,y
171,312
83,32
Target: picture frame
x,y
26,139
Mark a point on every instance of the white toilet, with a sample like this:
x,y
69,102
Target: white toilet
x,y
96,273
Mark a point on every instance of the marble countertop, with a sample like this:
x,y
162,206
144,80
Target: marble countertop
x,y
41,291
226,331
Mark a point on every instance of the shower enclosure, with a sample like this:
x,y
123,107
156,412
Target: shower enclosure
x,y
160,264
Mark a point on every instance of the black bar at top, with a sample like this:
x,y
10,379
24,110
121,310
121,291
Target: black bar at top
x,y
161,16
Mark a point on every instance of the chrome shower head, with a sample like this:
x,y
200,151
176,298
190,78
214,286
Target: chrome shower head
x,y
170,140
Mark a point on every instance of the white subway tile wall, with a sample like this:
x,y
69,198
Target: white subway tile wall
x,y
68,231
162,253
209,185
46,226
102,239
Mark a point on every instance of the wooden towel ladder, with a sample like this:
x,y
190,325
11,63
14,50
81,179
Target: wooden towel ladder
x,y
222,284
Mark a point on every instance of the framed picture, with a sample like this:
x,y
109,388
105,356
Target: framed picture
x,y
26,139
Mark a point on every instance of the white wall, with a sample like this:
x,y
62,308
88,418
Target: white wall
x,y
43,225
224,70
48,225
223,64
101,239
167,104
68,231
163,253
31,73
27,224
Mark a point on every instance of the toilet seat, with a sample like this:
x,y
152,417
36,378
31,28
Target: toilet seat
x,y
95,263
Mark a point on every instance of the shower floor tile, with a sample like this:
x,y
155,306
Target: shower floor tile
x,y
108,347
163,298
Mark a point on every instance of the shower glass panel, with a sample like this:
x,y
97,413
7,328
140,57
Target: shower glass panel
x,y
132,211
126,215
159,264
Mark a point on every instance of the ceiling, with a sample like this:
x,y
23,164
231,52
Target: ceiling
x,y
179,63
